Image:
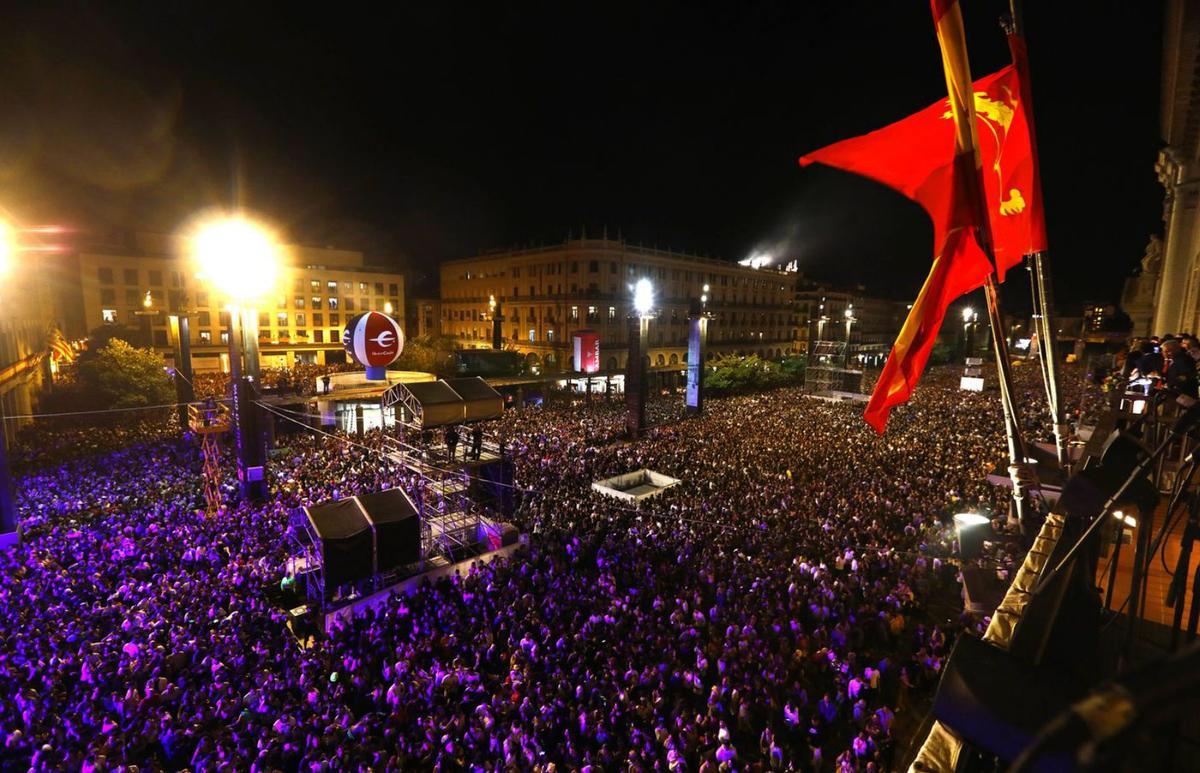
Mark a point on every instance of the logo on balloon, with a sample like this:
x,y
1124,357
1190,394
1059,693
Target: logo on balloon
x,y
373,340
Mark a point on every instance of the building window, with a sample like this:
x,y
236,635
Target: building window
x,y
131,276
574,313
550,336
335,319
379,288
223,318
108,296
132,297
314,286
318,335
205,337
109,316
300,319
331,287
264,320
204,319
612,313
333,303
299,301
281,319
318,319
156,278
224,336
593,266
591,314
362,286
106,276
532,335
316,302
364,304
393,289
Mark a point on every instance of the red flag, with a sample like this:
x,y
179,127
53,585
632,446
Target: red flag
x,y
933,158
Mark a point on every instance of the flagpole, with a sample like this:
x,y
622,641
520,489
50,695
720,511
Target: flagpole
x,y
1038,264
948,21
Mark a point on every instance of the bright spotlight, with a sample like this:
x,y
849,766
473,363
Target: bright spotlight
x,y
972,530
1128,520
968,312
966,520
387,307
643,297
235,256
7,247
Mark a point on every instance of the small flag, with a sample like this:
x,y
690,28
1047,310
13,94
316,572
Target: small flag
x,y
61,350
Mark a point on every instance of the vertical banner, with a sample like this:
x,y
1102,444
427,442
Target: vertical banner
x,y
587,351
697,333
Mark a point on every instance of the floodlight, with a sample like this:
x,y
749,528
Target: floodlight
x,y
967,313
643,297
235,256
972,529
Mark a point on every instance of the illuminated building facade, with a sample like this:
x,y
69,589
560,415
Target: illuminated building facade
x,y
1176,276
547,293
320,290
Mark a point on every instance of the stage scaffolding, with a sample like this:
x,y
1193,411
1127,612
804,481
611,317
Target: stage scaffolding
x,y
829,369
209,422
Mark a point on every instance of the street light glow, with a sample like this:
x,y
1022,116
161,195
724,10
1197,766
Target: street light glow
x,y
968,312
236,256
387,307
7,248
643,297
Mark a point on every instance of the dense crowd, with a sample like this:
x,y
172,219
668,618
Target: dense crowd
x,y
772,611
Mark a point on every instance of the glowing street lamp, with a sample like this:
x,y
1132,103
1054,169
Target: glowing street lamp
x,y
970,319
388,308
637,361
850,320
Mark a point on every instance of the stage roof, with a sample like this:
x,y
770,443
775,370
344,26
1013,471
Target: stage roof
x,y
439,403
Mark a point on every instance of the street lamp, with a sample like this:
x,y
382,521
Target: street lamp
x,y
970,319
638,360
388,308
239,260
850,320
497,316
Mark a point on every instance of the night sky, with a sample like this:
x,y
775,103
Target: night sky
x,y
420,132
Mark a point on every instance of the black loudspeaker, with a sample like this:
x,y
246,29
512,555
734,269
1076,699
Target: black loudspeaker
x,y
998,703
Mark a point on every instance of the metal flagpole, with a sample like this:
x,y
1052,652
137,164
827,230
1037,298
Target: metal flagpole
x,y
1038,264
954,57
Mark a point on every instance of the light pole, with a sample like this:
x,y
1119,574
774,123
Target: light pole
x,y
638,359
8,504
697,346
970,319
497,316
147,314
849,324
239,260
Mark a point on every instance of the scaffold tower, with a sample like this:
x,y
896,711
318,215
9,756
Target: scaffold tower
x,y
209,422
